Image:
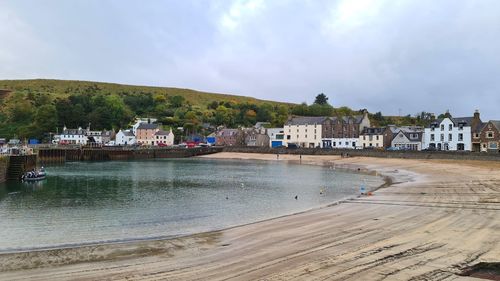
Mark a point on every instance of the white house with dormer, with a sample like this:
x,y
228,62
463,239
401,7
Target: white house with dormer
x,y
125,137
449,134
73,136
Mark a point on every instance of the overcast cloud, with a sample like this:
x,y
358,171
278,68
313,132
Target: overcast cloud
x,y
382,55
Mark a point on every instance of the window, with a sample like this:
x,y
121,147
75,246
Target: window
x,y
346,143
489,135
432,137
492,145
442,127
476,135
353,144
442,137
334,143
450,137
460,137
450,127
377,139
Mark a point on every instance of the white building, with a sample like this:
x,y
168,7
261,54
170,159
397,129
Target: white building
x,y
276,137
73,136
125,137
407,137
449,134
304,131
344,143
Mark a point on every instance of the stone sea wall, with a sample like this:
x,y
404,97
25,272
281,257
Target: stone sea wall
x,y
4,164
61,155
454,155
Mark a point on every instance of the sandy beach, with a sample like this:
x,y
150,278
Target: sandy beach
x,y
436,219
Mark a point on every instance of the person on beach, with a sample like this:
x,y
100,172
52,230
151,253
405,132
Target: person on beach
x,y
296,197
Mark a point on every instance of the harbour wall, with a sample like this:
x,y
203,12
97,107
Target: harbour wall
x,y
4,164
61,155
17,165
452,155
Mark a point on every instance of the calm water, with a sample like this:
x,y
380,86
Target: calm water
x,y
84,202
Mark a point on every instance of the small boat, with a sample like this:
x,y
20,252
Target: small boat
x,y
34,175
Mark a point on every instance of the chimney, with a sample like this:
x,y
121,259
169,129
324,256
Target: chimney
x,y
476,115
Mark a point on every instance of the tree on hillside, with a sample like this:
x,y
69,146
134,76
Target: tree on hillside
x,y
176,101
45,121
321,99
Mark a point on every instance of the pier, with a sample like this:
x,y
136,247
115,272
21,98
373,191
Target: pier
x,y
17,165
61,155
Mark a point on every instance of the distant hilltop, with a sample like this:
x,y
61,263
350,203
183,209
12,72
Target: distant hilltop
x,y
63,88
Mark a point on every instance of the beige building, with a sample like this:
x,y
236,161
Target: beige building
x,y
304,131
164,138
372,138
145,133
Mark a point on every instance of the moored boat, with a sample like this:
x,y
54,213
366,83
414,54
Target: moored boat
x,y
34,175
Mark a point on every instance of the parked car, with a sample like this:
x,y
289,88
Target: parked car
x,y
293,146
393,148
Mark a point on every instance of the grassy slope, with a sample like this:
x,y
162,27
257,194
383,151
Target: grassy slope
x,y
61,88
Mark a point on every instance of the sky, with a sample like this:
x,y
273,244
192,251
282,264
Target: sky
x,y
392,56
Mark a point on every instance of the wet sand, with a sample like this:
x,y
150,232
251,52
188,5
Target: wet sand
x,y
436,219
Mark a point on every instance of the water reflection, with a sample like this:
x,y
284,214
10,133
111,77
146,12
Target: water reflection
x,y
105,201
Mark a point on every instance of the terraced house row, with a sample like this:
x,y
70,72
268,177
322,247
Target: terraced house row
x,y
446,134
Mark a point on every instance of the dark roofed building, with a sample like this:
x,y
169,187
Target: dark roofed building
x,y
490,137
372,138
147,126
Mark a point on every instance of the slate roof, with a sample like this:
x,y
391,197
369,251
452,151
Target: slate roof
x,y
162,133
408,133
311,120
74,132
466,120
147,126
228,132
373,131
303,120
128,133
496,123
456,120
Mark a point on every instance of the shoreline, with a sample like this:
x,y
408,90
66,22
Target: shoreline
x,y
402,231
388,180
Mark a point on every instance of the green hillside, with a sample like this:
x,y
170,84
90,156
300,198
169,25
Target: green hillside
x,y
36,108
33,108
64,88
